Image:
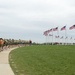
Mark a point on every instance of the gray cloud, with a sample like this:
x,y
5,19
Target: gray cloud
x,y
28,19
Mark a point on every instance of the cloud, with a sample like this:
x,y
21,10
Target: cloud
x,y
28,19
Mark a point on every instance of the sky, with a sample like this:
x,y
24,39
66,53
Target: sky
x,y
28,19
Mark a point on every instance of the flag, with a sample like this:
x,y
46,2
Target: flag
x,y
50,30
56,36
63,28
66,37
61,37
71,38
72,27
45,33
55,29
50,35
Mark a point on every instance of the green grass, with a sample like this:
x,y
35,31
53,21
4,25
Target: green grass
x,y
43,60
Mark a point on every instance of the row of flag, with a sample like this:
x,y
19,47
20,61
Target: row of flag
x,y
61,37
56,29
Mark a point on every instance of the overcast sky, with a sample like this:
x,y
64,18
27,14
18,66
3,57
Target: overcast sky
x,y
28,19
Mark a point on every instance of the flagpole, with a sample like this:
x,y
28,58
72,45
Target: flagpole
x,y
55,38
52,36
62,41
67,40
46,38
64,28
72,41
58,37
65,36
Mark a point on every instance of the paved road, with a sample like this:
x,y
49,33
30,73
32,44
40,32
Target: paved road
x,y
5,68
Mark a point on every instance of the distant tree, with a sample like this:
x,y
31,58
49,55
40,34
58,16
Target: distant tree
x,y
30,42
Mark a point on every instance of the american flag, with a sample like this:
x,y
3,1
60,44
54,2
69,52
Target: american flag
x,y
66,37
56,36
63,28
45,33
72,27
55,29
71,38
50,35
50,30
61,37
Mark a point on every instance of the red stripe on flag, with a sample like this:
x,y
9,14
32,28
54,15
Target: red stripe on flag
x,y
72,27
63,28
55,29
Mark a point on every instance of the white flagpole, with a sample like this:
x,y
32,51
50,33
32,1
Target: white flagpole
x,y
58,37
72,41
52,36
55,38
46,34
62,41
46,39
65,36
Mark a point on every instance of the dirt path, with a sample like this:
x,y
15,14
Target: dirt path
x,y
5,68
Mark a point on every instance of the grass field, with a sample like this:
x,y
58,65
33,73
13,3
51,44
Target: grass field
x,y
43,60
